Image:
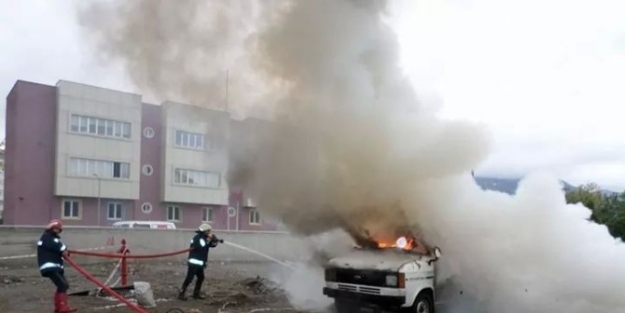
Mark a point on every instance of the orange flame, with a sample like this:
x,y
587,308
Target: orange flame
x,y
401,243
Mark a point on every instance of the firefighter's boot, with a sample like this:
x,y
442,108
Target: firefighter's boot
x,y
56,302
181,295
196,291
198,296
63,307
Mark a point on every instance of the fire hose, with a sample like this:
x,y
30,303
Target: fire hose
x,y
129,256
133,256
90,277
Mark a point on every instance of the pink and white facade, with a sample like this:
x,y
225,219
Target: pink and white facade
x,y
93,156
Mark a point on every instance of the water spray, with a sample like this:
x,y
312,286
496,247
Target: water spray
x,y
257,253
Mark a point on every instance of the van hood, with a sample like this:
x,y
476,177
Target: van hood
x,y
382,260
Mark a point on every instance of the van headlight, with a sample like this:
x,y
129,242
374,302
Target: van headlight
x,y
391,280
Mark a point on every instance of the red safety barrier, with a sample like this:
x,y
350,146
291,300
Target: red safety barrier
x,y
90,277
123,253
124,264
130,256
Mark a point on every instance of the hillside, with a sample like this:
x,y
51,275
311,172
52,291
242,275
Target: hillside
x,y
509,185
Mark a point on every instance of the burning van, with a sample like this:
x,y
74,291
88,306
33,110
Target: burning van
x,y
378,275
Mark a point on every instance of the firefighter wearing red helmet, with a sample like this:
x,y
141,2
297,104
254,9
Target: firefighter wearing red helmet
x,y
50,253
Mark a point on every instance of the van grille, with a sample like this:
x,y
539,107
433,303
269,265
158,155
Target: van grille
x,y
369,290
362,277
360,289
348,288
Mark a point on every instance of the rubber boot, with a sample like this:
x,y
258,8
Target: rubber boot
x,y
196,292
63,306
181,295
57,300
198,296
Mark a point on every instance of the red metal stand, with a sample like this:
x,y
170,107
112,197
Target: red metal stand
x,y
124,266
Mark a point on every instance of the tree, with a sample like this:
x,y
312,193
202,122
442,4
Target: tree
x,y
589,195
608,210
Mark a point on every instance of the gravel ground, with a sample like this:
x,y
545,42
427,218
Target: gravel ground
x,y
230,287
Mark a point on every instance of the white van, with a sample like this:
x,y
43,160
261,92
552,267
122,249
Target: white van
x,y
145,225
387,279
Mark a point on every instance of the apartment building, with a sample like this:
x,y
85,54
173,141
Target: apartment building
x,y
94,156
1,181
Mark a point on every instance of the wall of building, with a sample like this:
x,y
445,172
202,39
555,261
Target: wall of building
x,y
245,209
148,207
1,182
213,157
94,102
30,147
38,148
282,246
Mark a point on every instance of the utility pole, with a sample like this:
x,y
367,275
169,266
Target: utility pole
x,y
238,209
227,78
99,196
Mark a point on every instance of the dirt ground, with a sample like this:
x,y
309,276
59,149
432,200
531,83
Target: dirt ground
x,y
230,287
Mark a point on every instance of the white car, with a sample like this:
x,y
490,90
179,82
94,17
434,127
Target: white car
x,y
144,225
386,279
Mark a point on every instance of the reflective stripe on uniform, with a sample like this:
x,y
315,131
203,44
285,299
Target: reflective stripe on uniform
x,y
50,265
63,248
202,242
196,262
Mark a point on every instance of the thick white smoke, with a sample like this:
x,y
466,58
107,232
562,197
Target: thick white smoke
x,y
351,148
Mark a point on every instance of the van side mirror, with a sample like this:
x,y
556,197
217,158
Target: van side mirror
x,y
436,252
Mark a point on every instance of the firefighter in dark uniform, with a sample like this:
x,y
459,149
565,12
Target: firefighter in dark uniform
x,y
197,261
50,254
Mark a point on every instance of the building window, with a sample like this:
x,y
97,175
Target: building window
x,y
185,139
146,208
207,215
99,126
173,213
115,211
98,168
148,132
254,217
147,170
71,209
197,178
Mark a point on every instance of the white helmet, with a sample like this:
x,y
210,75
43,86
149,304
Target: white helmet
x,y
205,227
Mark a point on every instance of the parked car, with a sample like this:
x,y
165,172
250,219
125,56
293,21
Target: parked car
x,y
145,224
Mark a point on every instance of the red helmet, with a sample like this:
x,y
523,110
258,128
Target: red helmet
x,y
55,224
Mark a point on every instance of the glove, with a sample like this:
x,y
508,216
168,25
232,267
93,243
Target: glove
x,y
65,254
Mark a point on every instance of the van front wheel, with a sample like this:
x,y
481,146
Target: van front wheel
x,y
423,303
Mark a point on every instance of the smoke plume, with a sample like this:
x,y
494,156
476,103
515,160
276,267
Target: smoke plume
x,y
350,146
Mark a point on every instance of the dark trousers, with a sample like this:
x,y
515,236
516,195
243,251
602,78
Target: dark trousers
x,y
58,278
194,271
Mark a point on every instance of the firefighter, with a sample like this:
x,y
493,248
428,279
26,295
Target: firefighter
x,y
197,261
50,254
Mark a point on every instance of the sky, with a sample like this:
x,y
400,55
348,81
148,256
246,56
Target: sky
x,y
545,76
